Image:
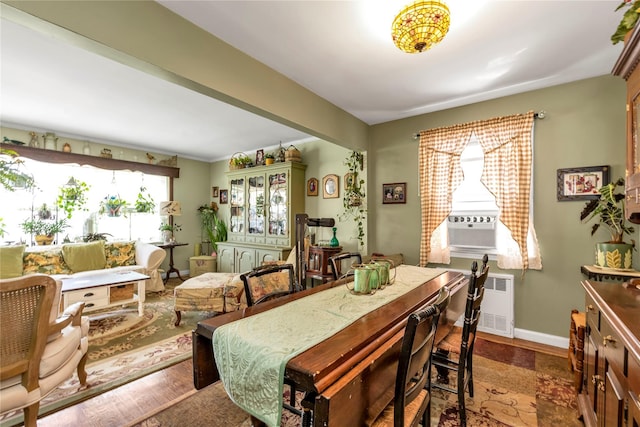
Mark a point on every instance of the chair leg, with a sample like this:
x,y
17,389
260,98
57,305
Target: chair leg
x,y
82,373
469,374
461,408
31,415
178,318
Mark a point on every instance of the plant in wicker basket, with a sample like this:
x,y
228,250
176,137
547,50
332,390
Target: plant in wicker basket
x,y
239,161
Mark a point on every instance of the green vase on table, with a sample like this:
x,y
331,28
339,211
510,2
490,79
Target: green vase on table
x,y
334,240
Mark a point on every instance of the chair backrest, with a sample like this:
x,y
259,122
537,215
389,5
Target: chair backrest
x,y
268,282
475,296
414,364
342,262
25,307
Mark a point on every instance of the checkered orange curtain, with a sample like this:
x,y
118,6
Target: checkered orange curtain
x,y
507,146
440,173
508,157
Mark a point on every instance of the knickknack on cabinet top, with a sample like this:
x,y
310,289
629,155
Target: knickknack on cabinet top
x,y
263,201
51,156
627,68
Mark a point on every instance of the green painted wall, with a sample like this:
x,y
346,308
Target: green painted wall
x,y
585,126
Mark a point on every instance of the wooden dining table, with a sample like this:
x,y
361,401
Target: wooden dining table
x,y
347,378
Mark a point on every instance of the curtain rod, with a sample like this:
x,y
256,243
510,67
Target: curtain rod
x,y
539,115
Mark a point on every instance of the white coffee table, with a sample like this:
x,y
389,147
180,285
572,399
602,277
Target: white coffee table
x,y
105,289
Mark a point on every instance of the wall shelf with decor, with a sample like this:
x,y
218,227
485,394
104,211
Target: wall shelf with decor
x,y
51,156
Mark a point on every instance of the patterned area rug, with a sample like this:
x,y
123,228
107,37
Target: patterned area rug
x,y
123,347
512,387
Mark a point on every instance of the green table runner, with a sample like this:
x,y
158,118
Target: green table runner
x,y
251,354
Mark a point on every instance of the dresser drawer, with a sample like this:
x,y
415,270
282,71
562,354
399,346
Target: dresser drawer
x,y
613,348
86,295
634,376
593,313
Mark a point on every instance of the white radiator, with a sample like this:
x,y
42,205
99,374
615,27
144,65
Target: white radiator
x,y
496,312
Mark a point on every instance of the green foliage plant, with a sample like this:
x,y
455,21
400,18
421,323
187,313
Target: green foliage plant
x,y
214,227
40,227
144,201
73,198
10,174
609,210
629,19
354,194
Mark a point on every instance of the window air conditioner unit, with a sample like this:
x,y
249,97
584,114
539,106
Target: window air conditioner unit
x,y
472,230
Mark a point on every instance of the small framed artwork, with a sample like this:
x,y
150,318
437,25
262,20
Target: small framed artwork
x,y
312,187
330,187
348,181
214,191
259,157
224,197
394,193
581,183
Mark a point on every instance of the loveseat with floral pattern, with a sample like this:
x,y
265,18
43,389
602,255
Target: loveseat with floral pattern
x,y
75,259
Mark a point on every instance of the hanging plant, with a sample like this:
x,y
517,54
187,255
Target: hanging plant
x,y
112,205
144,202
11,178
354,194
72,197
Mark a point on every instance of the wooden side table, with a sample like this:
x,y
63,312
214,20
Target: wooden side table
x,y
318,267
171,269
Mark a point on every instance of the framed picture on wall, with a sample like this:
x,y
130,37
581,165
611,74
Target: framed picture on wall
x,y
312,187
224,196
394,193
214,191
330,187
581,183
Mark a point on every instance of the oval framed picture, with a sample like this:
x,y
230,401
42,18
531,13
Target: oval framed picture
x,y
330,187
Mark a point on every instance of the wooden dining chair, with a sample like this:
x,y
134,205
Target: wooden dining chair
x,y
455,351
411,405
342,262
268,282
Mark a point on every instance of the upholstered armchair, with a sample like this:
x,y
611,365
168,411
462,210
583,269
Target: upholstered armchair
x,y
39,349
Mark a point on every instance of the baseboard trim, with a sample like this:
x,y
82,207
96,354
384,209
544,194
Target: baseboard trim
x,y
538,337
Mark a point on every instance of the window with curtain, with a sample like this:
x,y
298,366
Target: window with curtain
x,y
507,148
25,204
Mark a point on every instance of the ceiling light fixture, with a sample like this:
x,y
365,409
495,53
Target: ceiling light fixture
x,y
420,25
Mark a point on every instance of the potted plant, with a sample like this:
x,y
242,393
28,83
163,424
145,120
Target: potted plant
x,y
111,205
354,194
72,196
214,227
269,159
168,230
239,161
43,230
628,21
144,201
609,210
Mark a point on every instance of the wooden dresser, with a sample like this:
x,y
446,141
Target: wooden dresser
x,y
611,385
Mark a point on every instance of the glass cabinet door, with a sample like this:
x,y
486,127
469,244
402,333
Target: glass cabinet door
x,y
236,201
278,204
255,205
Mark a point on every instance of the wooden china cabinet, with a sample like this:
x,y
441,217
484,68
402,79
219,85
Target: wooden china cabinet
x,y
627,68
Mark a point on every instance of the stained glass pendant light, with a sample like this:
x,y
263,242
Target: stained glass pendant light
x,y
420,25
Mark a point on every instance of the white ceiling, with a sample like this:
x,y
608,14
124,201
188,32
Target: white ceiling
x,y
340,50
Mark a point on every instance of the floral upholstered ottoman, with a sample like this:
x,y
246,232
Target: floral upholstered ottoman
x,y
220,292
